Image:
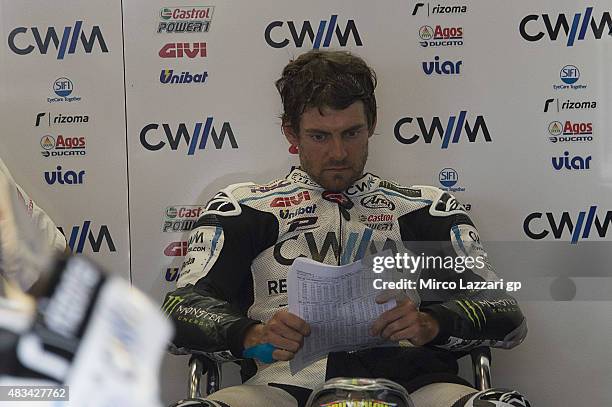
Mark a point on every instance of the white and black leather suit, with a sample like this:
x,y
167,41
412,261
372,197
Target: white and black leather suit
x,y
240,250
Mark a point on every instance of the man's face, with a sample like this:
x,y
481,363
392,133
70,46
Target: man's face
x,y
333,146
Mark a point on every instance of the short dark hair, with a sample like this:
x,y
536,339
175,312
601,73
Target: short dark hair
x,y
334,79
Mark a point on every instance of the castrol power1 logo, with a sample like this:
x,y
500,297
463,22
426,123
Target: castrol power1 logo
x,y
192,19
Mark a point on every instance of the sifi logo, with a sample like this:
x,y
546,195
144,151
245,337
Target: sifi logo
x,y
578,229
195,141
183,49
193,19
440,9
69,177
569,75
444,133
63,88
69,41
577,27
167,76
444,68
62,146
574,163
323,37
308,210
286,201
80,234
176,249
448,178
568,105
440,37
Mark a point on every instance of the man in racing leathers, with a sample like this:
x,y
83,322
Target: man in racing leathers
x,y
232,293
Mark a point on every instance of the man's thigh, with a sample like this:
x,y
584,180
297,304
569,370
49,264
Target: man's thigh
x,y
440,394
246,395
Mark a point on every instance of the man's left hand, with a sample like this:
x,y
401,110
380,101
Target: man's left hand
x,y
404,322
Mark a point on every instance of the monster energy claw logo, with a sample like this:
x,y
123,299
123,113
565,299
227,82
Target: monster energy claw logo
x,y
171,303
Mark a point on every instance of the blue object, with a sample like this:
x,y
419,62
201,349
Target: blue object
x,y
262,352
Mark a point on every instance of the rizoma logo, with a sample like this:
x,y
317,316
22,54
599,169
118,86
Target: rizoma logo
x,y
195,141
176,249
68,42
64,177
185,20
79,234
183,49
62,146
568,105
168,76
286,201
43,117
455,126
573,163
440,36
322,38
580,228
444,68
440,9
579,26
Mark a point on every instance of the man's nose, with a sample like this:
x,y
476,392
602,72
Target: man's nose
x,y
338,150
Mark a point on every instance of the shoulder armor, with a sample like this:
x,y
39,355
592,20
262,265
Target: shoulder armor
x,y
443,203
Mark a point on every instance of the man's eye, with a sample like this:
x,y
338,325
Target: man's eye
x,y
318,137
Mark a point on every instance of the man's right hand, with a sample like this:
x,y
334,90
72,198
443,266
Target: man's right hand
x,y
285,331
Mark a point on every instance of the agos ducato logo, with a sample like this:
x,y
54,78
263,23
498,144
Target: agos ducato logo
x,y
194,140
570,131
73,40
574,28
449,134
277,36
62,146
439,36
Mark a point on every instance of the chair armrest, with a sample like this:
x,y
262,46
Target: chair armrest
x,y
481,363
198,366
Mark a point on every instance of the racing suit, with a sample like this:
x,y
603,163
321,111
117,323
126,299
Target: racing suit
x,y
240,250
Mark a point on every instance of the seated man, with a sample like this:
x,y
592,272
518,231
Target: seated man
x,y
232,288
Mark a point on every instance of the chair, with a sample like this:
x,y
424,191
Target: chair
x,y
200,365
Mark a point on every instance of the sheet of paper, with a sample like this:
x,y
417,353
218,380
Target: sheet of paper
x,y
338,303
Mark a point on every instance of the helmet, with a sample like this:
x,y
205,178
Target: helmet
x,y
358,392
494,398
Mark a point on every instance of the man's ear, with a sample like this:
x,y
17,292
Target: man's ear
x,y
290,135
